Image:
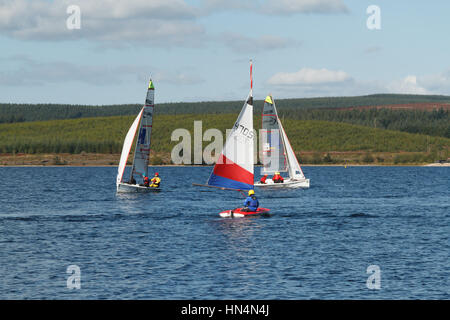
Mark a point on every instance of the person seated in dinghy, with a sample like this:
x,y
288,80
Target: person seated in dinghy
x,y
277,178
251,203
146,180
263,179
156,181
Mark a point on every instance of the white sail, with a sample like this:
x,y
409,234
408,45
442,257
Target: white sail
x,y
127,147
295,171
142,150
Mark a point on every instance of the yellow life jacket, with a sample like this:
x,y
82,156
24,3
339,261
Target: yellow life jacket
x,y
156,180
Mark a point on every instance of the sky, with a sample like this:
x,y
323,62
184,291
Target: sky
x,y
199,50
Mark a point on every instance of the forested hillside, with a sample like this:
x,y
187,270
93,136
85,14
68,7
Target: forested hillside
x,y
308,137
430,117
434,123
39,112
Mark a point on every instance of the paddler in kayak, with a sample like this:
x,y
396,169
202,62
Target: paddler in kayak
x,y
251,203
156,181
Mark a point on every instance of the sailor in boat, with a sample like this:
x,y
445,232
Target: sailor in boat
x,y
146,180
251,203
156,181
132,180
263,179
277,178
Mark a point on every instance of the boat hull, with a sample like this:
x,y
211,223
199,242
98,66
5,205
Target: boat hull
x,y
287,184
237,213
133,188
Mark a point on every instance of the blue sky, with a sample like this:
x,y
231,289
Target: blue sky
x,y
199,50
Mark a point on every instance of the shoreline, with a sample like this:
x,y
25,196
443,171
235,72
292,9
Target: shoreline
x,y
192,165
338,159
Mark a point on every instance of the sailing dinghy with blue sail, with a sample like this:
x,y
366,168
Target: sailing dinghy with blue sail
x,y
139,169
277,153
234,166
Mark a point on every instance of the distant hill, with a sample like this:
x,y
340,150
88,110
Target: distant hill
x,y
422,114
106,135
425,106
10,113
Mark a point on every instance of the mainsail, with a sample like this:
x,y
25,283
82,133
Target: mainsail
x,y
142,150
234,167
127,147
273,150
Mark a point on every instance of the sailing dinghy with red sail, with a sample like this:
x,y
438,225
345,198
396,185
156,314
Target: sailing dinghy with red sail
x,y
234,167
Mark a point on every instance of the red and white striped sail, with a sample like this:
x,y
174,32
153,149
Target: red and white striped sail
x,y
234,167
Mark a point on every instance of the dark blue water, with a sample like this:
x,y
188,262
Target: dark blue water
x,y
173,245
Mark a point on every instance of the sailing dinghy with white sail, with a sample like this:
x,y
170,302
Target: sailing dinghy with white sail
x,y
277,153
143,126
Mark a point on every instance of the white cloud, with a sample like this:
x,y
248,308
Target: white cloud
x,y
166,23
308,76
323,82
408,84
437,83
158,22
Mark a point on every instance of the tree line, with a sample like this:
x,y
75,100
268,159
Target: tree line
x,y
40,112
434,123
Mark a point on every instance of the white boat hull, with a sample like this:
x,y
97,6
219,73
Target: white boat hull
x,y
287,184
130,188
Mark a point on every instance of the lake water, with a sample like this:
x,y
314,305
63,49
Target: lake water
x,y
317,244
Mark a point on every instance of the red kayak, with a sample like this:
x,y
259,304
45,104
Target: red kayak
x,y
237,213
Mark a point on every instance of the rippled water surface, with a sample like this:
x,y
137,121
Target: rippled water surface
x,y
173,245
